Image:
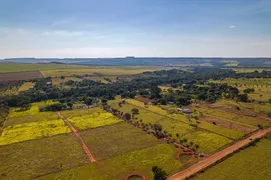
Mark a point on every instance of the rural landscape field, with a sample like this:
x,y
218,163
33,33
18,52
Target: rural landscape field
x,y
135,90
89,122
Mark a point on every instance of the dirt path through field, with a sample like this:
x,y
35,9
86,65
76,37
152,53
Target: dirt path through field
x,y
84,146
217,156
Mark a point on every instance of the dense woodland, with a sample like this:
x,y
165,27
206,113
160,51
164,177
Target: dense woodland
x,y
193,85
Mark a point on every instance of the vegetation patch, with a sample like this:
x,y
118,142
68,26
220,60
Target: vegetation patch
x,y
93,120
34,130
141,161
26,86
30,159
251,163
116,139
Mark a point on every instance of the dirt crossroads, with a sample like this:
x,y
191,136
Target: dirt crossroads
x,y
217,156
84,146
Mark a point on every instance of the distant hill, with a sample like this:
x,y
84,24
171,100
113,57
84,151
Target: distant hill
x,y
153,61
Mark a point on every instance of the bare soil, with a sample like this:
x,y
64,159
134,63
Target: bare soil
x,y
15,76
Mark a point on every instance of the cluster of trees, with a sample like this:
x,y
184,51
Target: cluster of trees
x,y
54,107
193,83
4,110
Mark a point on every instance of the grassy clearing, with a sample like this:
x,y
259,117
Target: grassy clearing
x,y
178,123
29,159
248,70
98,70
116,139
11,90
33,130
141,161
17,67
81,112
56,81
93,120
26,86
252,163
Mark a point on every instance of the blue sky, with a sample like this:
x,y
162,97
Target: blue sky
x,y
117,28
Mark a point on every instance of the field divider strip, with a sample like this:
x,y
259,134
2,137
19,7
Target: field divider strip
x,y
75,132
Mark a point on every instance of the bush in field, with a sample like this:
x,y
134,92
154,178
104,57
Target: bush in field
x,y
269,114
159,174
242,97
249,90
135,111
53,107
157,127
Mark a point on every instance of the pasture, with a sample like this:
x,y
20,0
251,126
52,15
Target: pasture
x,y
116,139
208,141
118,167
26,86
30,159
250,163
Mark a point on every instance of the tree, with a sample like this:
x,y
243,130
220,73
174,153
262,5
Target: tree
x,y
70,104
242,97
135,111
127,116
157,127
88,101
158,173
104,101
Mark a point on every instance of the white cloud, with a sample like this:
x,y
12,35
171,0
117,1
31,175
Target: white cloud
x,y
232,26
62,33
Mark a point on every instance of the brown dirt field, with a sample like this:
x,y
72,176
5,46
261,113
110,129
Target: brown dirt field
x,y
217,156
227,124
15,76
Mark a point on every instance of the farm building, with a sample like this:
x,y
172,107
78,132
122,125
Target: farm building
x,y
179,109
187,111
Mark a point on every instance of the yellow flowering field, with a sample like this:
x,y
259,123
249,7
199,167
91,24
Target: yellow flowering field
x,y
94,120
33,130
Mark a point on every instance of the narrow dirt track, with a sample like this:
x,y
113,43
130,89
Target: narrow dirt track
x,y
84,146
217,156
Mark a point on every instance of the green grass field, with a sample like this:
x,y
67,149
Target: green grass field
x,y
26,86
116,139
17,67
173,124
141,161
81,112
252,163
29,159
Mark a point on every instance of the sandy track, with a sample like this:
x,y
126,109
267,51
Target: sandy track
x,y
217,156
84,146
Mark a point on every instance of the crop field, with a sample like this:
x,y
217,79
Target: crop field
x,y
32,115
15,76
93,120
112,140
30,159
118,167
33,130
26,86
17,67
98,70
208,141
81,112
250,163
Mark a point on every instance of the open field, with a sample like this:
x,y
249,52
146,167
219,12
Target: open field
x,y
248,164
33,130
26,86
81,112
29,159
248,70
32,115
15,76
178,124
98,70
112,140
93,120
118,167
17,67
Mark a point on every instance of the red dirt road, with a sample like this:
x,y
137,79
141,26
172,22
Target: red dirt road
x,y
217,156
84,146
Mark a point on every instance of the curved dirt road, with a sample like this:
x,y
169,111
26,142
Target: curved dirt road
x,y
217,156
84,146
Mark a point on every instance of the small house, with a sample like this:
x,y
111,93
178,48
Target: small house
x,y
179,109
187,111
